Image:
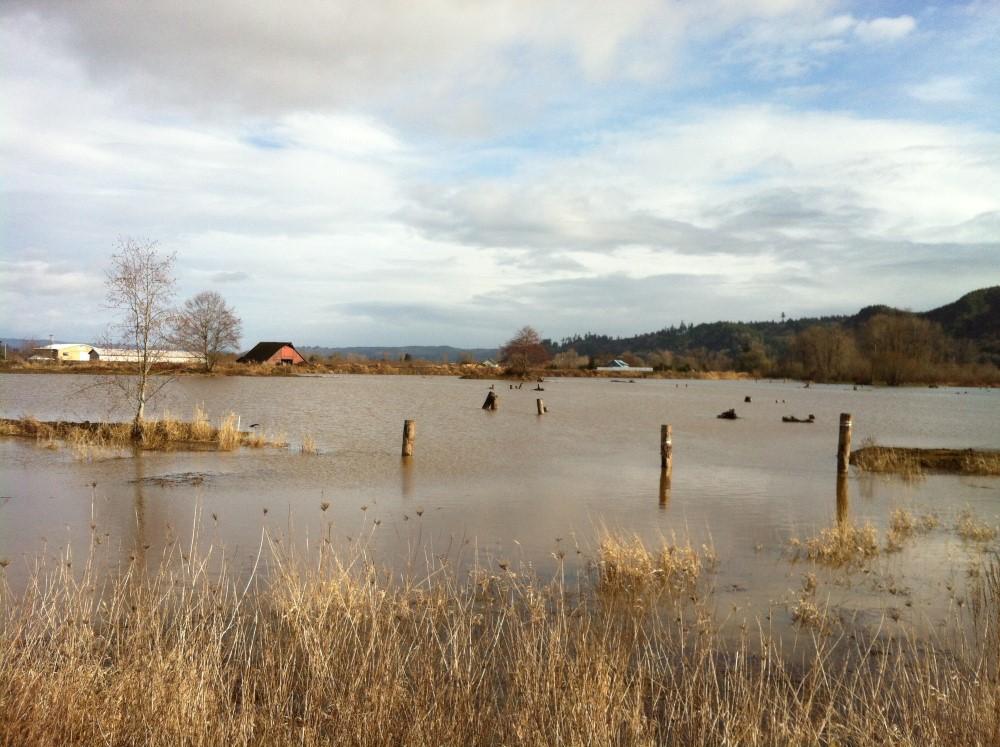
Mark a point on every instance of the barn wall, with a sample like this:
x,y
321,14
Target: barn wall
x,y
286,352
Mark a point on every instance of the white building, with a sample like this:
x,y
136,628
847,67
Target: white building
x,y
128,355
62,352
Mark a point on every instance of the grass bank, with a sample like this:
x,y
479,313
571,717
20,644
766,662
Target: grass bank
x,y
163,434
912,462
341,651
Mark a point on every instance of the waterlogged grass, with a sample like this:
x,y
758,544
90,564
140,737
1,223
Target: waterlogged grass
x,y
903,526
972,529
88,439
845,544
341,651
626,564
913,463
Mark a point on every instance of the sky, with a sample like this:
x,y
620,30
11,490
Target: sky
x,y
441,172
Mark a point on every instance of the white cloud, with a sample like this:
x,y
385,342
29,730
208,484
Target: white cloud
x,y
885,29
942,89
33,278
268,58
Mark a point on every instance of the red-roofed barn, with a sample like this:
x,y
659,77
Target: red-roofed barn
x,y
275,353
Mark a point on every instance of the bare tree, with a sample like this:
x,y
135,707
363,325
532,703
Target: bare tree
x,y
140,287
523,351
208,326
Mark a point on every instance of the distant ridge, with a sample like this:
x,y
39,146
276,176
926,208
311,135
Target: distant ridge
x,y
974,317
422,352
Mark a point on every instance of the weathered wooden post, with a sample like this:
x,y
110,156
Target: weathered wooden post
x,y
492,401
844,444
409,433
842,500
541,406
666,450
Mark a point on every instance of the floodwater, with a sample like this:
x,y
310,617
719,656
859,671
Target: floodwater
x,y
514,487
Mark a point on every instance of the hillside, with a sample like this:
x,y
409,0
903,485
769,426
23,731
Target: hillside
x,y
974,317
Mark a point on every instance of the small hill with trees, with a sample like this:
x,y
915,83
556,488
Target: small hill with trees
x,y
957,342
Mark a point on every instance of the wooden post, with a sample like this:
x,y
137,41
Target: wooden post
x,y
541,406
666,450
842,500
844,444
409,433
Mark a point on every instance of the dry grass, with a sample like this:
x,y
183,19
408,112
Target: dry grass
x,y
341,652
837,546
872,457
308,445
88,439
913,463
970,528
981,463
903,525
625,564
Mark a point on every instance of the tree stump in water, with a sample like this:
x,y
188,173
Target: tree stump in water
x,y
492,401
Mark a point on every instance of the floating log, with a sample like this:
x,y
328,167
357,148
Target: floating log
x,y
844,443
793,419
728,415
409,433
492,401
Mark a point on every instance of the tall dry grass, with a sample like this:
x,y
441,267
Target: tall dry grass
x,y
92,438
339,651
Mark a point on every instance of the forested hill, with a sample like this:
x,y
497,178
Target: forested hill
x,y
975,317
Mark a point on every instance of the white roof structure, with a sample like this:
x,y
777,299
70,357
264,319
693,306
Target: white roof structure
x,y
128,355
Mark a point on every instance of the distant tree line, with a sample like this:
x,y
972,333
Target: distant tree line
x,y
957,343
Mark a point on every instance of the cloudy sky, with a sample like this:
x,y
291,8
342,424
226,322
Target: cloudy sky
x,y
441,172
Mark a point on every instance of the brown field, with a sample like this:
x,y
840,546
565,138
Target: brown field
x,y
340,651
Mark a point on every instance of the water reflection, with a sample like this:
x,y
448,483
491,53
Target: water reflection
x,y
406,471
664,489
139,505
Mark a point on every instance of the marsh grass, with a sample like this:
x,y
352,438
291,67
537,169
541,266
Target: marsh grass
x,y
89,439
845,544
912,463
872,457
903,526
341,651
308,445
626,564
981,463
972,529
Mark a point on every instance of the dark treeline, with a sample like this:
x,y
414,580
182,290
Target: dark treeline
x,y
958,343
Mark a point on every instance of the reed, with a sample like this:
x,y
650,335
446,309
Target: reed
x,y
872,457
625,564
308,445
972,529
842,545
89,439
340,651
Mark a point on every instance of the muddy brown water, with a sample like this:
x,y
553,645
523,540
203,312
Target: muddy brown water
x,y
514,487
